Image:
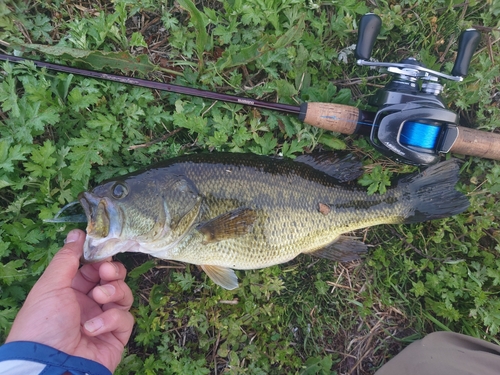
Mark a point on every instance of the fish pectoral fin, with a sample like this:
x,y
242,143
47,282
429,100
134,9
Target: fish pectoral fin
x,y
344,249
232,224
222,276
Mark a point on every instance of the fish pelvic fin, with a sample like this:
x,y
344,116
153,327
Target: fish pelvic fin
x,y
231,224
222,276
432,193
344,249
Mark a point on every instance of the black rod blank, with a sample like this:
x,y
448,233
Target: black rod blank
x,y
286,108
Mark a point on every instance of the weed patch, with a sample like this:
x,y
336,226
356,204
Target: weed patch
x,y
61,134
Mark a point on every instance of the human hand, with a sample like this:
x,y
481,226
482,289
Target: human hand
x,y
82,312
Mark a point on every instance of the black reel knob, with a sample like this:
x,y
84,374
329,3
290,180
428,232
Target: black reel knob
x,y
467,45
369,28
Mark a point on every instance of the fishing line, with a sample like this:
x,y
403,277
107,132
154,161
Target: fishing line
x,y
418,134
79,218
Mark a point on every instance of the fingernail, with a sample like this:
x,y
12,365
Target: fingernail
x,y
72,236
117,269
107,289
93,325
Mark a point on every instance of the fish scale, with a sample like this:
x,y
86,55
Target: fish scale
x,y
281,196
243,211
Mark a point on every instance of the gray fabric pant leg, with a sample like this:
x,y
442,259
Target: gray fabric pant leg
x,y
445,353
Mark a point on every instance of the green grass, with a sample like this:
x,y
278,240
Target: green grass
x,y
61,134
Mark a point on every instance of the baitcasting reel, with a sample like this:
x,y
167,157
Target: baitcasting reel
x,y
413,124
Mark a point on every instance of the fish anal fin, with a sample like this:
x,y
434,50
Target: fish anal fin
x,y
231,224
344,249
344,170
222,276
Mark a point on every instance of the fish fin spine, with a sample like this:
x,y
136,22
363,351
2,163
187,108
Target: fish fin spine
x,y
343,170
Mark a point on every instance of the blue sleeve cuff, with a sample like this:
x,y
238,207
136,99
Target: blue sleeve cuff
x,y
56,362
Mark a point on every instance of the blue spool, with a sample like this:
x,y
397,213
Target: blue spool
x,y
420,135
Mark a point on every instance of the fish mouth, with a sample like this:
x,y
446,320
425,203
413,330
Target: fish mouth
x,y
97,212
103,228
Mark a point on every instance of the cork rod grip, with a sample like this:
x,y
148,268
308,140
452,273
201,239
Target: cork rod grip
x,y
338,118
477,143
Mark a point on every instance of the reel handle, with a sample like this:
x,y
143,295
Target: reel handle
x,y
369,28
467,44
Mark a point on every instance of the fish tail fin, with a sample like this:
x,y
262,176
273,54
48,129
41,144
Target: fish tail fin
x,y
432,193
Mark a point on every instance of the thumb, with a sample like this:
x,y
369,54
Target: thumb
x,y
64,266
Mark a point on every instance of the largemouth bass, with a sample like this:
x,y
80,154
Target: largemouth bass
x,y
243,211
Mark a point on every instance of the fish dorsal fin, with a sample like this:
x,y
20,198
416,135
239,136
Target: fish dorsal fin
x,y
222,276
231,224
344,170
344,249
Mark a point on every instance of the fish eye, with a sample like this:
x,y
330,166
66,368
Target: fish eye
x,y
119,191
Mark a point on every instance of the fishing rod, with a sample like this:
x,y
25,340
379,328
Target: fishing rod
x,y
339,118
412,124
